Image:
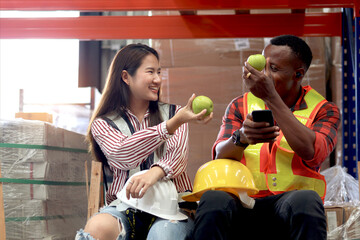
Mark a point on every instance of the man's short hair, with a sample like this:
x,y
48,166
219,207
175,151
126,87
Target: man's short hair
x,y
297,45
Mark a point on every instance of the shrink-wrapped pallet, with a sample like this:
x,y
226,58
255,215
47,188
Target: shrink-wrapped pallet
x,y
44,180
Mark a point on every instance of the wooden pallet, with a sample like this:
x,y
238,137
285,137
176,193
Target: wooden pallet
x,y
2,211
95,196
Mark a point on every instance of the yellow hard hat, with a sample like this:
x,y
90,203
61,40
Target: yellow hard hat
x,y
222,174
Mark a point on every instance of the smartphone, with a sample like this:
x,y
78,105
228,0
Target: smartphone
x,y
263,116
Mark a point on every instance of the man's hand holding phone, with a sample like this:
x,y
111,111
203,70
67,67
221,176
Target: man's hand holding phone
x,y
258,127
263,116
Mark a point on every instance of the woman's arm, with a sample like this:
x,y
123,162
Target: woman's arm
x,y
174,160
127,152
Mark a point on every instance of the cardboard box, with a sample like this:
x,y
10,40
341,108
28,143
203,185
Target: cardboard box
x,y
26,191
43,164
352,219
37,152
31,132
224,52
206,52
318,49
336,51
336,87
335,217
42,229
74,140
40,219
45,117
316,78
221,84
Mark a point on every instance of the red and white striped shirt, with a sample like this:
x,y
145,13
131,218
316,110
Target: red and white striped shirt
x,y
128,152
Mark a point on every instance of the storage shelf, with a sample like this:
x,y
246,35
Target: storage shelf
x,y
141,5
190,25
173,27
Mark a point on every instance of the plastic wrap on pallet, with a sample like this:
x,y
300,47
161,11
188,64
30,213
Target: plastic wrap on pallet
x,y
350,230
44,180
36,219
343,193
342,188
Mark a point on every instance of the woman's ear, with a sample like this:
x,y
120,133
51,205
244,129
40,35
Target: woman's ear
x,y
125,77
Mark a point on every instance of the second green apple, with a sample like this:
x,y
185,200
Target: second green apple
x,y
202,102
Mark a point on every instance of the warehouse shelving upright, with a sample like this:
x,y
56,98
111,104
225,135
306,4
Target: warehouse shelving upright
x,y
351,90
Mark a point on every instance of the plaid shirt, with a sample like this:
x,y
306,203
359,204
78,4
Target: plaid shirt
x,y
325,126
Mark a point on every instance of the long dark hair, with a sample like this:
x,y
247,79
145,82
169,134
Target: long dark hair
x,y
116,93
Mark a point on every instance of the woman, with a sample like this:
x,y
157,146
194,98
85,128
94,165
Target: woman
x,y
132,131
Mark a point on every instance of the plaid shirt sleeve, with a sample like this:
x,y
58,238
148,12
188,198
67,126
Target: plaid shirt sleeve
x,y
231,121
325,126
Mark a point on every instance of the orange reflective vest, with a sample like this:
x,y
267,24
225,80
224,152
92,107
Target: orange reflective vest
x,y
281,170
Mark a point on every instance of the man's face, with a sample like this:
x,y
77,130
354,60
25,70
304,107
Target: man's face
x,y
282,68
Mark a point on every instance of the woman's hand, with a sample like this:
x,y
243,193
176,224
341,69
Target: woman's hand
x,y
139,184
185,115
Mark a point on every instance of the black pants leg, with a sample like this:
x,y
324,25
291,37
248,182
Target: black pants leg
x,y
293,215
303,214
215,215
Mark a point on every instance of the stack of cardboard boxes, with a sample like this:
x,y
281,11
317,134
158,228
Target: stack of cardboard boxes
x,y
44,183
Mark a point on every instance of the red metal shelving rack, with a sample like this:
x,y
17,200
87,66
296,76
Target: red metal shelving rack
x,y
298,22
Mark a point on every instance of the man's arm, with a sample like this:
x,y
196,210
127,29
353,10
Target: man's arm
x,y
300,138
250,132
228,150
231,121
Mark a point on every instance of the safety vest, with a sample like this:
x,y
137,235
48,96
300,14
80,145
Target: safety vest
x,y
167,111
282,170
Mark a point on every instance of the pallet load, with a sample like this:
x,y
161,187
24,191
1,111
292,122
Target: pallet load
x,y
43,180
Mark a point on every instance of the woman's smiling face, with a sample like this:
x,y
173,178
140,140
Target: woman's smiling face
x,y
146,82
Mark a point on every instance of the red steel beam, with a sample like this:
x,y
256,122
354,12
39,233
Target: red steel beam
x,y
172,27
136,5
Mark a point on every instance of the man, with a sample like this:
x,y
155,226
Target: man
x,y
284,159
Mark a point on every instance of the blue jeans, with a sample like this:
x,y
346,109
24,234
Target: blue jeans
x,y
161,229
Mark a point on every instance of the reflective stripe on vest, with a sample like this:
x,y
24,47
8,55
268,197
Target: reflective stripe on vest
x,y
282,170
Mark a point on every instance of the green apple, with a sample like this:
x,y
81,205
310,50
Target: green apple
x,y
202,102
257,61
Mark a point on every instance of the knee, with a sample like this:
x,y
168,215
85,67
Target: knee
x,y
103,226
166,229
216,198
217,201
306,205
307,199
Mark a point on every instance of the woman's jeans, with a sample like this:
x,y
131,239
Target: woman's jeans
x,y
161,229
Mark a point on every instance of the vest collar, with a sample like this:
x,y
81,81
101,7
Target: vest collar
x,y
300,103
129,113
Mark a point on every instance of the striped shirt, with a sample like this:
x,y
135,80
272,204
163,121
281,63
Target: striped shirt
x,y
128,152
